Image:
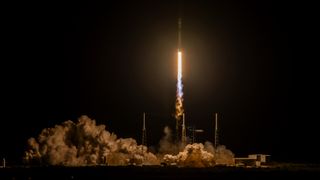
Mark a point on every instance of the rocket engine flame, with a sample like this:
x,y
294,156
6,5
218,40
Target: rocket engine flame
x,y
179,100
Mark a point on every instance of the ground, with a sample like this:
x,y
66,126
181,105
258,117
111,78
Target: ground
x,y
157,172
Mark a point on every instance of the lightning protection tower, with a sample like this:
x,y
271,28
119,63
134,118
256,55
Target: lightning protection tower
x,y
216,137
183,133
144,132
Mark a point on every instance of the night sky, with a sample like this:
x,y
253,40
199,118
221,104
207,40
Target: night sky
x,y
116,60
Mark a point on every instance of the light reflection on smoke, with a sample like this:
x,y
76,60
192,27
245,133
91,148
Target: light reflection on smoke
x,y
85,143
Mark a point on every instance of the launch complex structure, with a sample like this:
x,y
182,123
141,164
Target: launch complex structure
x,y
180,114
181,130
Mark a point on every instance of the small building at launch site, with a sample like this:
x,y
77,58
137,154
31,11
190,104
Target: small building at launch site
x,y
253,160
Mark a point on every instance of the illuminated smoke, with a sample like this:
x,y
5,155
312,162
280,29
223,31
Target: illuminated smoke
x,y
222,155
179,98
198,155
167,145
193,155
85,143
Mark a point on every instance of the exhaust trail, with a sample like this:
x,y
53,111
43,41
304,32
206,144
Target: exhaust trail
x,y
179,94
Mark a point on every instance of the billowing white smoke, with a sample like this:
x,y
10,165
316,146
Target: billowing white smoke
x,y
167,145
222,155
193,155
85,143
198,155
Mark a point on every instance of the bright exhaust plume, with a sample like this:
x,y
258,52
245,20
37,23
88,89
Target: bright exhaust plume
x,y
179,95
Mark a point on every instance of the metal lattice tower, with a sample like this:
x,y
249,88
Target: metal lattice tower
x,y
216,137
144,132
193,133
183,132
193,136
177,130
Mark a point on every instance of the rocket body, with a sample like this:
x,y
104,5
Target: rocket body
x,y
179,34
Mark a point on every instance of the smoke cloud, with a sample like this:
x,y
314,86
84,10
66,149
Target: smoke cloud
x,y
167,144
85,143
199,155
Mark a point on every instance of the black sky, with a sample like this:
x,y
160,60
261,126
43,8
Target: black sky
x,y
115,60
